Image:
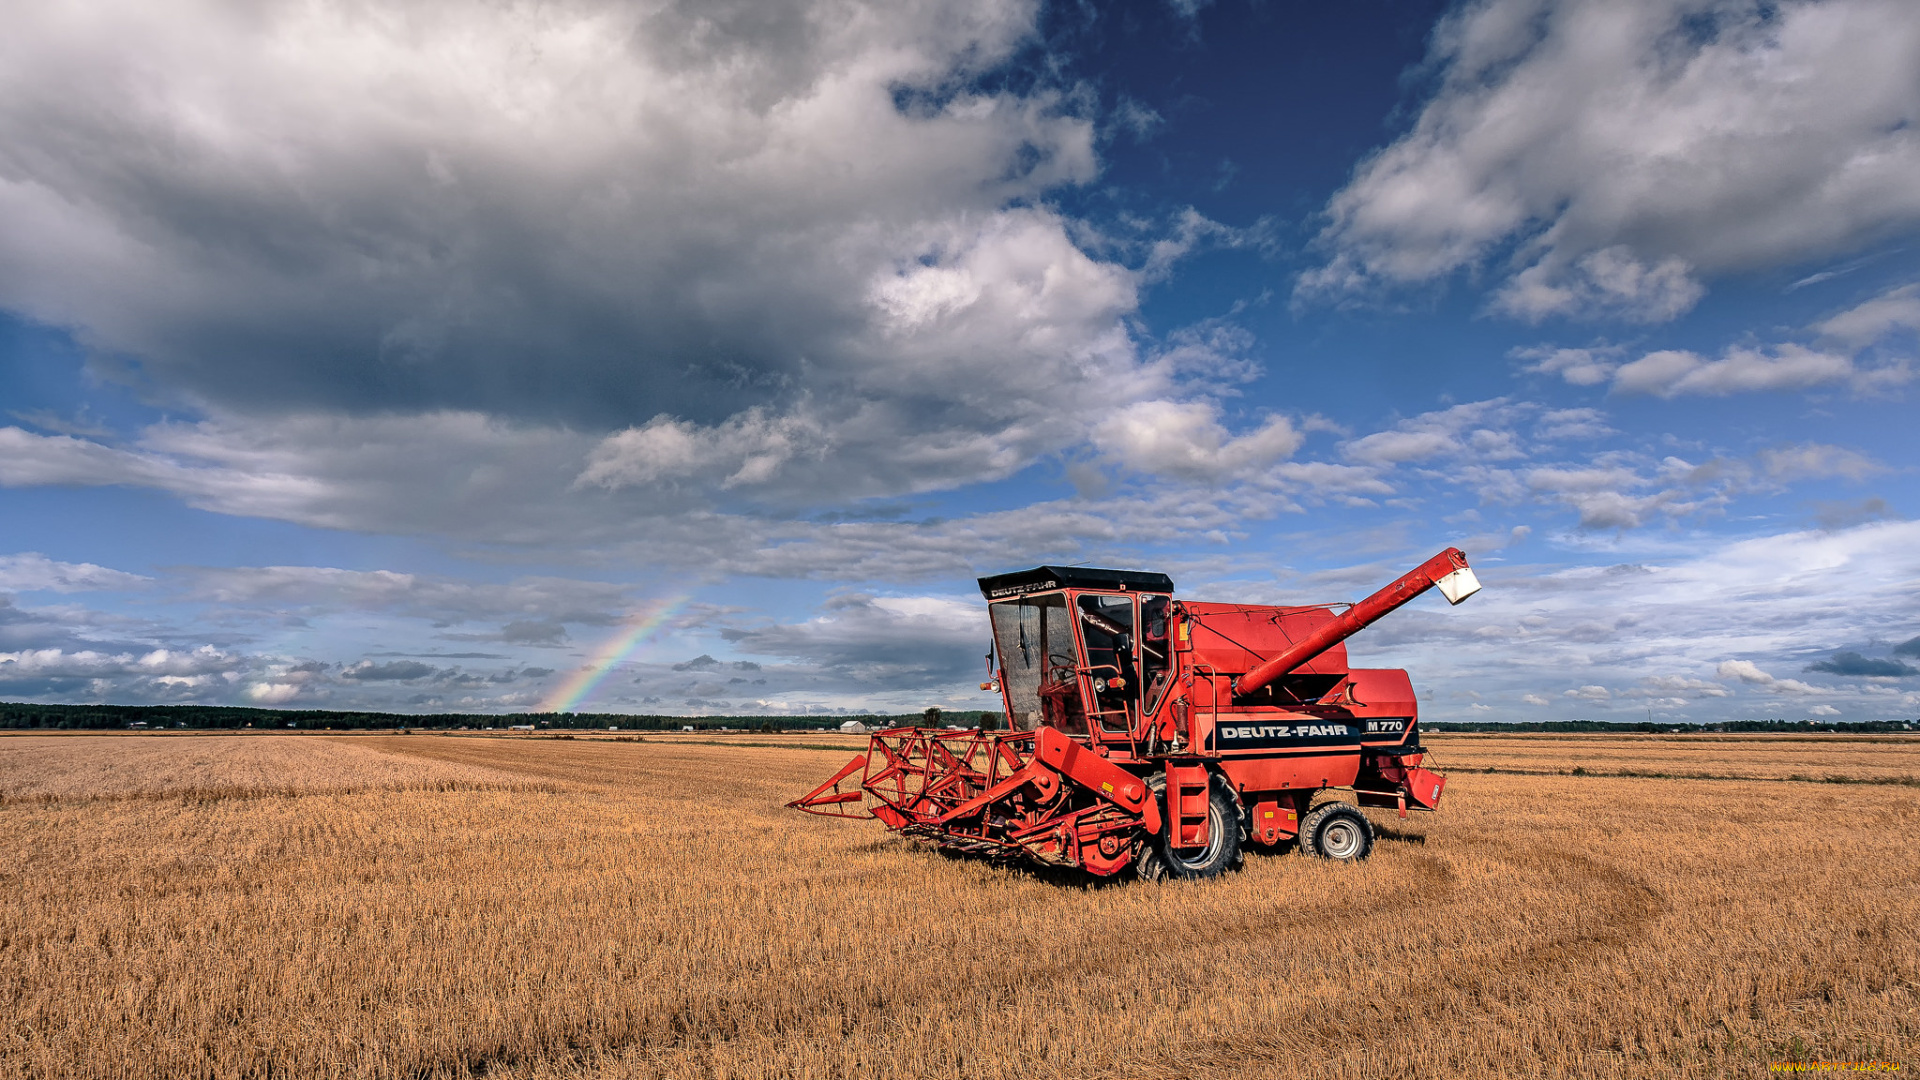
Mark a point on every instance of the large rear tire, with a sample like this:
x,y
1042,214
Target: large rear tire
x,y
1160,860
1337,831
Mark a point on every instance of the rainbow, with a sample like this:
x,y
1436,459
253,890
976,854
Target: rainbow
x,y
635,632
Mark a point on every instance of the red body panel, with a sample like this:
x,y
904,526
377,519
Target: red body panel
x,y
1236,637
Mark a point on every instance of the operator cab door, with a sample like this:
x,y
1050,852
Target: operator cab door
x,y
1110,662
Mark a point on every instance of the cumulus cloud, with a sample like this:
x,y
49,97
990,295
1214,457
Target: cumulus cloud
x,y
98,674
268,693
1682,686
157,662
1188,440
1613,153
1746,671
1750,673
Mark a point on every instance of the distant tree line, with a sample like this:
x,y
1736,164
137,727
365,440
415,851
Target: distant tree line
x,y
110,717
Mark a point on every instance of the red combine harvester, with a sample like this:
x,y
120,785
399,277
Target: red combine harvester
x,y
1159,734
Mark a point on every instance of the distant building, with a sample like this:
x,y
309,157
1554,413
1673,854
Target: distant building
x,y
854,727
688,727
529,727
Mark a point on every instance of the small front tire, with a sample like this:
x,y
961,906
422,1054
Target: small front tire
x,y
1337,831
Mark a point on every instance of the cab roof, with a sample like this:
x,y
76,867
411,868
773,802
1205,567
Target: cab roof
x,y
1045,578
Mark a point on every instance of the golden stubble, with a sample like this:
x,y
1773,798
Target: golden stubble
x,y
539,908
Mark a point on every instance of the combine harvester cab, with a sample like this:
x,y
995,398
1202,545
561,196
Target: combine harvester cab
x,y
1158,734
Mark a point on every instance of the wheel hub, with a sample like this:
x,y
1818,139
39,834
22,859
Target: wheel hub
x,y
1340,840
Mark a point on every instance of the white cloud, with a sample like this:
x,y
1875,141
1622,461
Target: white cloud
x,y
1612,495
1748,672
1872,320
1568,424
1744,670
1534,699
1683,687
1708,609
1479,429
1672,373
1187,440
1606,282
1844,357
272,693
748,448
33,572
1618,150
1816,461
1823,710
1481,446
1581,367
88,663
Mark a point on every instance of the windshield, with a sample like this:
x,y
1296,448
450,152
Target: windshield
x,y
1035,637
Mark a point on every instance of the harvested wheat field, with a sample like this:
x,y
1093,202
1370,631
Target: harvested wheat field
x,y
440,906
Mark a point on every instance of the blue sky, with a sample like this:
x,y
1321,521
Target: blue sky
x,y
420,356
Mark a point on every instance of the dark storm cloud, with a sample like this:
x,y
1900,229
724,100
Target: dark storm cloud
x,y
393,671
1908,648
882,643
532,632
589,211
537,272
1854,664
